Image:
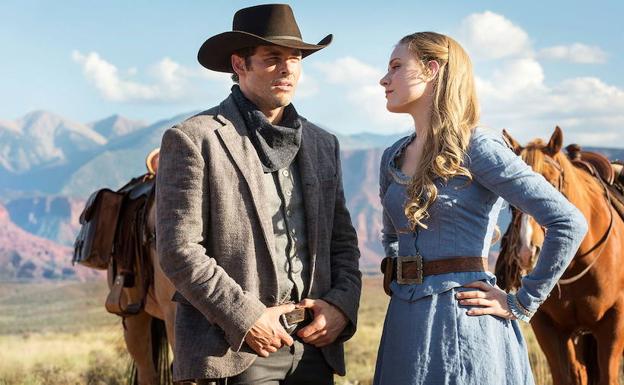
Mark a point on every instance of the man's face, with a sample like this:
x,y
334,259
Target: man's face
x,y
271,77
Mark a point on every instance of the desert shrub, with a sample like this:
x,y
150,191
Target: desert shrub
x,y
105,369
48,374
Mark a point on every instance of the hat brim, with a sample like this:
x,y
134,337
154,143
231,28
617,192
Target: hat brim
x,y
216,52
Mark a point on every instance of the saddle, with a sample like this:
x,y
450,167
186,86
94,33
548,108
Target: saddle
x,y
598,165
114,236
94,244
130,269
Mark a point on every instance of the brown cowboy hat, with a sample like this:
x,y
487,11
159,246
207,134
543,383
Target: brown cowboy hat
x,y
268,24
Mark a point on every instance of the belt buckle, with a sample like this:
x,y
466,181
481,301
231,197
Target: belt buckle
x,y
419,265
291,319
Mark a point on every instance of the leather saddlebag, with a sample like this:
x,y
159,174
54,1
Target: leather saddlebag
x,y
94,245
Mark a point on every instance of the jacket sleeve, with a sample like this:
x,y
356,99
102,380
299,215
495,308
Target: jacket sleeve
x,y
181,205
389,238
346,277
500,170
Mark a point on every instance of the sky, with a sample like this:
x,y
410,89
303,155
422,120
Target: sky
x,y
538,63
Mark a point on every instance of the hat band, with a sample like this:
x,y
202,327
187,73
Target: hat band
x,y
283,37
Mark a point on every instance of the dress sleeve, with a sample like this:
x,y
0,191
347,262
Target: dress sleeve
x,y
389,238
496,167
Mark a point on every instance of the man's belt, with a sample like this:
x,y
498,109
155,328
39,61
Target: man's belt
x,y
412,269
292,319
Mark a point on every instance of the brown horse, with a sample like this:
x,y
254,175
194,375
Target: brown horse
x,y
141,331
580,327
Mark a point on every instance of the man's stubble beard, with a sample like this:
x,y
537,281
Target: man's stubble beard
x,y
276,101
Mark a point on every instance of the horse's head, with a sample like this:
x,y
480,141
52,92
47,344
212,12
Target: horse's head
x,y
526,236
545,158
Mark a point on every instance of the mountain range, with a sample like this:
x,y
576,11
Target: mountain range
x,y
50,164
24,256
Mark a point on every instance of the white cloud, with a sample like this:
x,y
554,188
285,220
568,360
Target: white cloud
x,y
575,53
344,94
168,80
489,35
515,94
105,77
307,87
357,90
348,70
590,111
516,76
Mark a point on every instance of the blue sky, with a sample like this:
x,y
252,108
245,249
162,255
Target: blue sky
x,y
538,64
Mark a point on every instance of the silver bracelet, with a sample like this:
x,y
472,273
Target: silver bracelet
x,y
517,309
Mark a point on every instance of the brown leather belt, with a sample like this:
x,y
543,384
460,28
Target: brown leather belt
x,y
412,269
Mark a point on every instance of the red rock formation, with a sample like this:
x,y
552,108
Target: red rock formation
x,y
24,256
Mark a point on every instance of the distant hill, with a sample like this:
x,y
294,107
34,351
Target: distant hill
x,y
43,139
41,151
115,126
44,184
24,256
611,153
121,159
51,217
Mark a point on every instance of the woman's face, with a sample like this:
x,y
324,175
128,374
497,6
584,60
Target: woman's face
x,y
405,82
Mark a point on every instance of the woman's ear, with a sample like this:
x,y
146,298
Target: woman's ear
x,y
433,67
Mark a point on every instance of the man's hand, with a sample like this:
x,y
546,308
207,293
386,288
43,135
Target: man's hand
x,y
267,334
328,322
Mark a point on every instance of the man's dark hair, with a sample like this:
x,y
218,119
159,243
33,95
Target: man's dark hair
x,y
246,53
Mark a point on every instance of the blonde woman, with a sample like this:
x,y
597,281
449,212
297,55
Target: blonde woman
x,y
442,189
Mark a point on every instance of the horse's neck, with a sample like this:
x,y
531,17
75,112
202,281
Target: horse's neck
x,y
586,193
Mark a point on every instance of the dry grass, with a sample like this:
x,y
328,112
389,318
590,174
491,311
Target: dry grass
x,y
53,307
60,334
94,358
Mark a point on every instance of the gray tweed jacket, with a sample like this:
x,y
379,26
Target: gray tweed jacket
x,y
213,232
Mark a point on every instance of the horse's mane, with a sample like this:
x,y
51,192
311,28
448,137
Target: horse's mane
x,y
578,186
574,177
507,270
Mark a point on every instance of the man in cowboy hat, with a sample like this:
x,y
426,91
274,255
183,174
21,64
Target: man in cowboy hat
x,y
252,227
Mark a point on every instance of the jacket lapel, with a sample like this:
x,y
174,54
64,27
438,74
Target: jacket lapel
x,y
235,137
307,160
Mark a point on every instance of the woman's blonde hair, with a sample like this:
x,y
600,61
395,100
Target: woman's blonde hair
x,y
454,113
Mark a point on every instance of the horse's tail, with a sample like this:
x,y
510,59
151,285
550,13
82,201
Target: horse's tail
x,y
160,351
590,355
589,352
132,374
160,356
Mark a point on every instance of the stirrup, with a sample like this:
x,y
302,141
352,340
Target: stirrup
x,y
114,300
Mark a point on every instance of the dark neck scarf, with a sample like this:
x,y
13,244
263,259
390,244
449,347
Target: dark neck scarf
x,y
276,145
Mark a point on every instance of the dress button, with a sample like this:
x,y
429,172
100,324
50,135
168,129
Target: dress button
x,y
288,193
285,173
288,213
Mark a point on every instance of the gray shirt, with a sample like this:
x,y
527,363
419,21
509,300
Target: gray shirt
x,y
285,203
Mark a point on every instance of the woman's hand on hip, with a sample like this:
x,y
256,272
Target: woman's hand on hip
x,y
487,300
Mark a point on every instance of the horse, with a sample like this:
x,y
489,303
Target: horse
x,y
145,337
580,326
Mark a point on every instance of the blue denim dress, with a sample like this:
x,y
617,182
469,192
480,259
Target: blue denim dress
x,y
428,338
